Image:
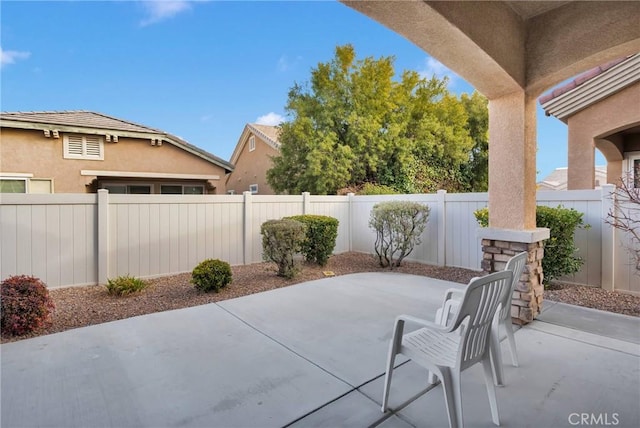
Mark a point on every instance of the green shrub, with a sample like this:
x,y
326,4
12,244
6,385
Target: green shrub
x,y
377,189
398,226
25,305
211,275
560,257
123,285
320,237
281,240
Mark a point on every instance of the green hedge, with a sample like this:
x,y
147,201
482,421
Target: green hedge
x,y
560,257
320,237
281,240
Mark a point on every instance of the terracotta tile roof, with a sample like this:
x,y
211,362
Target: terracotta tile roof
x,y
82,118
582,78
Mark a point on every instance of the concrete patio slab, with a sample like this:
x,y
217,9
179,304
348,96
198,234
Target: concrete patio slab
x,y
342,324
194,367
311,355
607,324
352,410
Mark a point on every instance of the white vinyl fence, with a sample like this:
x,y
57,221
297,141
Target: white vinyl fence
x,y
77,239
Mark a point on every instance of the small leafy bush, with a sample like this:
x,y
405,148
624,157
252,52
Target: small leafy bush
x,y
25,305
398,226
281,240
211,275
123,285
320,237
560,257
377,189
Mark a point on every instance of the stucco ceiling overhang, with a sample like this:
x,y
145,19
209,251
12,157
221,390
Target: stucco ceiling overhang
x,y
504,46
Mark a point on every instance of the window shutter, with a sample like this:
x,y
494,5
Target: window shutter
x,y
93,147
74,145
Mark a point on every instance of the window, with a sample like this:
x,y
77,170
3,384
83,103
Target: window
x,y
178,189
40,185
83,147
131,189
22,183
634,169
252,143
253,188
13,185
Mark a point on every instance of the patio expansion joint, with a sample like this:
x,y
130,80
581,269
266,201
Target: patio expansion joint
x,y
286,347
396,411
604,342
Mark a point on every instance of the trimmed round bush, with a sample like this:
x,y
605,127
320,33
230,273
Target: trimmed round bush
x,y
25,305
320,237
281,241
123,285
211,275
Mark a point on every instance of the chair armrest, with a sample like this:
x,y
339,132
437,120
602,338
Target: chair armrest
x,y
453,291
424,323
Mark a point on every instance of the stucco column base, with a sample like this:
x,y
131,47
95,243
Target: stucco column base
x,y
498,246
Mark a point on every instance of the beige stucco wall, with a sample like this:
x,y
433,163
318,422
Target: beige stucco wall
x,y
251,168
26,151
598,126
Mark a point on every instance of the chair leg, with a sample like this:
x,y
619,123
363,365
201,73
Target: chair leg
x,y
491,389
387,381
452,396
512,341
495,353
394,348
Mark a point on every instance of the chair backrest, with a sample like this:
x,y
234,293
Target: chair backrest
x,y
477,310
516,266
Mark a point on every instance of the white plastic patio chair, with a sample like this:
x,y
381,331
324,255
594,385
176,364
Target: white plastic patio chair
x,y
452,300
448,350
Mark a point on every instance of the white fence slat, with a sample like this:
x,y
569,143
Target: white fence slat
x,y
38,242
8,240
53,245
23,233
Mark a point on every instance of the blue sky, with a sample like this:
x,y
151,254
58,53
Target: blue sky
x,y
200,70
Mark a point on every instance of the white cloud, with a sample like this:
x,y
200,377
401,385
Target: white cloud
x,y
10,57
160,10
433,67
285,63
272,119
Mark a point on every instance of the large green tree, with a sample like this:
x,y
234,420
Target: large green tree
x,y
355,123
475,173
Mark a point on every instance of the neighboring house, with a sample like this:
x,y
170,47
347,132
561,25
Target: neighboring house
x,y
602,110
83,151
252,159
557,180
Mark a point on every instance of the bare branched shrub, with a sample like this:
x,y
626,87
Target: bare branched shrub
x,y
398,226
625,216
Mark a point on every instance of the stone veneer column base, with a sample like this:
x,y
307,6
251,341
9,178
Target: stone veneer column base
x,y
498,246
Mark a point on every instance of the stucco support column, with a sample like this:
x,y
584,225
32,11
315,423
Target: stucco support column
x,y
581,157
512,199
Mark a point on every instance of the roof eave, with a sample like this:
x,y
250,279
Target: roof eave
x,y
592,91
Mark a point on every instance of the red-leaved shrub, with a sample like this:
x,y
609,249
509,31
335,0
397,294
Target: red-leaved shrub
x,y
25,305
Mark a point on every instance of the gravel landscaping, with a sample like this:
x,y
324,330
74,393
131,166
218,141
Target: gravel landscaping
x,y
83,306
